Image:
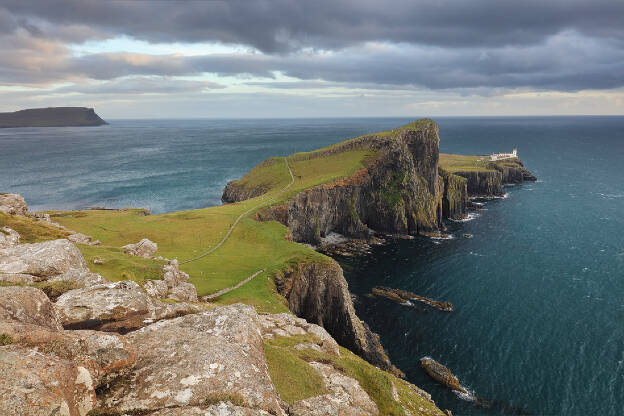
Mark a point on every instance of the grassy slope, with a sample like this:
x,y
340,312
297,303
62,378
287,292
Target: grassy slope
x,y
284,361
463,163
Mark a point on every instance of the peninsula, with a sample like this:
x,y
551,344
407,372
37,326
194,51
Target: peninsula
x,y
51,117
223,306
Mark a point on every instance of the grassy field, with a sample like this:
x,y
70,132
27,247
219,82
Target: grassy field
x,y
284,361
463,163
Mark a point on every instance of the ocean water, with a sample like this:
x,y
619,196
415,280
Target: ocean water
x,y
538,291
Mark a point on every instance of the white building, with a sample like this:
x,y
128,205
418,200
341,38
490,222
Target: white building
x,y
501,156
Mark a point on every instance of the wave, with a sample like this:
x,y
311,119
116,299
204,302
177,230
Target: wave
x,y
471,216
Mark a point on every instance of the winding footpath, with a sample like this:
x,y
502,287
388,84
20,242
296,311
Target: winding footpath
x,y
229,232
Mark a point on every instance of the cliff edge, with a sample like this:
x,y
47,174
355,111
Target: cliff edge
x,y
51,117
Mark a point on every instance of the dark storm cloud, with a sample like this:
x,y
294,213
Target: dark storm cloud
x,y
286,25
566,45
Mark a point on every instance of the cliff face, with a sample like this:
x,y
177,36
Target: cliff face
x,y
318,292
397,192
490,183
454,190
51,117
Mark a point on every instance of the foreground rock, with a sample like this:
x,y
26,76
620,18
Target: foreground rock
x,y
441,374
186,360
345,397
55,260
13,204
8,237
27,305
144,248
117,307
106,356
221,409
37,384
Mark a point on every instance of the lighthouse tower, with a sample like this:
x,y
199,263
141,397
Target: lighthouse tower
x,y
515,151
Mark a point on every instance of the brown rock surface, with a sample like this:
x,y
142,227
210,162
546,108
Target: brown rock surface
x,y
27,305
37,384
13,204
184,361
8,237
221,409
118,307
441,374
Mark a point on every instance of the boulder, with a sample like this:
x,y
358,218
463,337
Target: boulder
x,y
27,305
185,292
217,354
37,384
172,274
156,288
221,409
80,238
13,204
117,307
287,325
41,260
346,397
8,237
144,248
104,355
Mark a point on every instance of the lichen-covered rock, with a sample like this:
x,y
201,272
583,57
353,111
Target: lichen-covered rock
x,y
144,248
80,238
185,292
172,275
27,305
37,384
184,361
13,204
285,324
105,355
318,292
41,260
118,307
345,398
156,288
221,409
8,237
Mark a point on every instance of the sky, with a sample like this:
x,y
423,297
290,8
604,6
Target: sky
x,y
320,58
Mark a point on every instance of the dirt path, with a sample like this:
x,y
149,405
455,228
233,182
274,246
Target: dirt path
x,y
240,217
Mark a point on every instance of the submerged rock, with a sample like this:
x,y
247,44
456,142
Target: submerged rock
x,y
405,297
13,204
144,248
441,374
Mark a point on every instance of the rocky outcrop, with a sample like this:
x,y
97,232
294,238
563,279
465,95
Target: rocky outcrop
x,y
51,117
489,182
106,356
144,248
13,204
345,397
441,374
318,292
55,260
184,361
27,305
8,237
221,409
37,384
117,307
174,283
80,238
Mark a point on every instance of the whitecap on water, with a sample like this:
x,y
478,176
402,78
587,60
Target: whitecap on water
x,y
471,216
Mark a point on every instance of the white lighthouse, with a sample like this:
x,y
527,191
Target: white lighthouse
x,y
501,156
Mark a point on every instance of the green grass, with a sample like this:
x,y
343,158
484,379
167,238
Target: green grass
x,y
284,361
463,163
31,231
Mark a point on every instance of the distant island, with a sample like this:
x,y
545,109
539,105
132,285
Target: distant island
x,y
51,117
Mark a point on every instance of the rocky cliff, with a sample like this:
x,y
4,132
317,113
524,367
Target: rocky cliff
x,y
489,182
51,117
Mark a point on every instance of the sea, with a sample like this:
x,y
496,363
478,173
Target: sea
x,y
538,291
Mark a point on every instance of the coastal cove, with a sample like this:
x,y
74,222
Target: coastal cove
x,y
531,292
